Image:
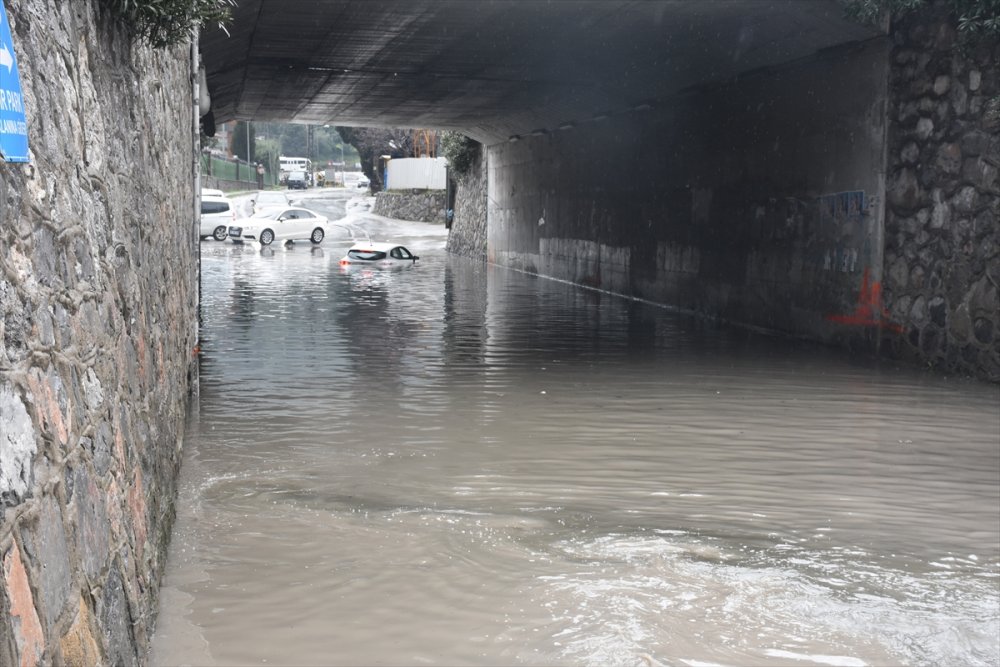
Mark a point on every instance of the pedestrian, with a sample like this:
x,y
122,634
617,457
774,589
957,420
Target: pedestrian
x,y
260,176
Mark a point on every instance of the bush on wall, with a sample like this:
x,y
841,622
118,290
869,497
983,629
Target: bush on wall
x,y
975,18
459,150
163,23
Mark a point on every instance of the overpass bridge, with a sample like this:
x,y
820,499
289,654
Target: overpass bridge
x,y
766,163
494,69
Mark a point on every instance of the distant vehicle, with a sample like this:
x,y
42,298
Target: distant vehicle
x,y
286,165
371,253
363,182
298,180
217,213
280,224
268,199
294,163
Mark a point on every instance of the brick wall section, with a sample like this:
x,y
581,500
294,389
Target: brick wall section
x,y
942,252
98,297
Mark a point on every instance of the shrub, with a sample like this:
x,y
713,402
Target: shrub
x,y
460,151
163,23
976,19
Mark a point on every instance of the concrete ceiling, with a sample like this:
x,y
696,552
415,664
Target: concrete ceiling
x,y
496,68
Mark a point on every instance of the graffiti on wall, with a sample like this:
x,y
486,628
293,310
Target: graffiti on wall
x,y
848,249
843,213
869,311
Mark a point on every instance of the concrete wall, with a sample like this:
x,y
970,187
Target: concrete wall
x,y
98,327
757,202
942,251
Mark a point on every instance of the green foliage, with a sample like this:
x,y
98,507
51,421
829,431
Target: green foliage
x,y
267,152
976,19
241,132
870,12
292,139
460,151
163,23
980,18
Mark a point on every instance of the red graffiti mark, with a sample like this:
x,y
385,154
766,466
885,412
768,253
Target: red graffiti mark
x,y
869,311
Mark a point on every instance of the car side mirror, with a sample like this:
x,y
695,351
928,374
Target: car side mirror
x,y
415,258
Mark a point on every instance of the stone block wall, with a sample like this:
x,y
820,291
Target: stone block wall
x,y
942,242
98,328
468,231
421,205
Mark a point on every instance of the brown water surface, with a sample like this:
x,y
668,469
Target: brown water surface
x,y
452,464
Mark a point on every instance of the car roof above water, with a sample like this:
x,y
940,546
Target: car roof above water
x,y
378,246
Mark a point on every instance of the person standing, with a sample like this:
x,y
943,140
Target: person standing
x,y
260,176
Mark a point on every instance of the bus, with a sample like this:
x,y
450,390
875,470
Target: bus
x,y
286,165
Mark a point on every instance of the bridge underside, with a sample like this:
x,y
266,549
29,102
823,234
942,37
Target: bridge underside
x,y
761,162
497,68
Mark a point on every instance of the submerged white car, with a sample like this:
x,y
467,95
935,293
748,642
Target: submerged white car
x,y
372,253
280,224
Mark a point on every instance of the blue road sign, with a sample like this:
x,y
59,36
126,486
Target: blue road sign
x,y
13,124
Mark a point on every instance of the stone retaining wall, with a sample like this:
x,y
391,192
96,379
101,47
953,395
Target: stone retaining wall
x,y
98,297
468,229
226,185
942,247
421,206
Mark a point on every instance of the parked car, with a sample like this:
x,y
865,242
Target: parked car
x,y
269,199
297,180
280,224
210,192
217,214
369,253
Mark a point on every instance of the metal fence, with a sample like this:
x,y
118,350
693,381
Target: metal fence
x,y
232,169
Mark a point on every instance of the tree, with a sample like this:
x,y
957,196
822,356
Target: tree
x,y
372,143
241,132
294,141
267,151
460,151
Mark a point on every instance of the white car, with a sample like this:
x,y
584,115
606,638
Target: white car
x,y
269,199
280,224
372,253
217,214
209,192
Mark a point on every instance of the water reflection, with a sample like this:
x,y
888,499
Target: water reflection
x,y
455,464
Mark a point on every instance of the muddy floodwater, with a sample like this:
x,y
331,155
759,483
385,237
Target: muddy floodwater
x,y
455,464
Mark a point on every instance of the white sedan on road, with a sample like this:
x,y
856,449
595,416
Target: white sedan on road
x,y
280,224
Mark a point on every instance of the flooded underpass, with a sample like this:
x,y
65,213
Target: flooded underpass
x,y
451,463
